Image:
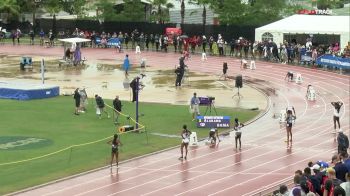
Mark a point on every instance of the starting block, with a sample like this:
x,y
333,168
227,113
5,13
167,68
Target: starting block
x,y
311,95
298,79
252,65
138,50
282,116
193,139
204,56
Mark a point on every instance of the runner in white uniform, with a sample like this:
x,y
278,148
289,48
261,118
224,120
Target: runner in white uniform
x,y
185,135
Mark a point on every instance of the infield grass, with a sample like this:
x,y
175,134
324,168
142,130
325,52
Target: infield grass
x,y
53,119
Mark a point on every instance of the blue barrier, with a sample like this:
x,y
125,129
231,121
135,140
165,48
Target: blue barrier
x,y
113,42
333,61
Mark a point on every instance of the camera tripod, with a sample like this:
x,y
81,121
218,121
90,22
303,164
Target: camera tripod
x,y
237,94
209,106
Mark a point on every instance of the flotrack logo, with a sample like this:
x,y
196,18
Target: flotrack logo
x,y
20,142
315,12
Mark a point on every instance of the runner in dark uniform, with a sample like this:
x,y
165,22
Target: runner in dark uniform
x,y
289,123
115,149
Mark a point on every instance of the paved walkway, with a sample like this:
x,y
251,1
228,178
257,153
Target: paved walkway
x,y
264,160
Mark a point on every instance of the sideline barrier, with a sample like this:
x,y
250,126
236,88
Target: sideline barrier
x,y
329,60
141,127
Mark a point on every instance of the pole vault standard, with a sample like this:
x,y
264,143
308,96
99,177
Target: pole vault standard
x,y
137,101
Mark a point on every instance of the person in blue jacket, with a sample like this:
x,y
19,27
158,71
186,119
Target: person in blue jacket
x,y
126,65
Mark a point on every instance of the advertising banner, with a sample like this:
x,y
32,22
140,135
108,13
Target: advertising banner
x,y
213,121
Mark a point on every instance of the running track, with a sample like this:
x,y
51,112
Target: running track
x,y
264,160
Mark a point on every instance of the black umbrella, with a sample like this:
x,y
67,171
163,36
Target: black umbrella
x,y
184,36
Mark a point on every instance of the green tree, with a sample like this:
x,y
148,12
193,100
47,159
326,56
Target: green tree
x,y
10,7
75,7
133,11
252,12
52,6
204,4
105,10
231,11
160,4
182,11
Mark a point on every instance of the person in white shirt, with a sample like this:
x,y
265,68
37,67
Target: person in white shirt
x,y
336,113
346,185
237,127
194,105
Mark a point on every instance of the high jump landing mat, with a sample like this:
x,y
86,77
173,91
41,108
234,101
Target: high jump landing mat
x,y
27,91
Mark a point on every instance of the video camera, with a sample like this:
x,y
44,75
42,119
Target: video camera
x,y
206,100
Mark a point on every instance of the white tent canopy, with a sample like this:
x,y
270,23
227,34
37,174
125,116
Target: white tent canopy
x,y
307,24
74,40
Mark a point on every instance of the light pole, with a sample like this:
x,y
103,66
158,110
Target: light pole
x,y
36,3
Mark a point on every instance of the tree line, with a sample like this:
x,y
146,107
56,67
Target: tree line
x,y
229,12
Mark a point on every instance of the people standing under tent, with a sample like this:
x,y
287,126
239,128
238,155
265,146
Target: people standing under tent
x,y
185,136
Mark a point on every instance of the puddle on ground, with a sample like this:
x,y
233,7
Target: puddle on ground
x,y
108,78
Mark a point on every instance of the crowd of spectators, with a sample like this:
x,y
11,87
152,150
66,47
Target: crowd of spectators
x,y
286,52
322,178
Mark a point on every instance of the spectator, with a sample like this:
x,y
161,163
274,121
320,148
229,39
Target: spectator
x,y
204,43
296,190
313,184
51,38
343,142
332,177
18,35
346,185
346,160
339,191
42,37
117,108
283,190
100,106
316,179
31,36
340,169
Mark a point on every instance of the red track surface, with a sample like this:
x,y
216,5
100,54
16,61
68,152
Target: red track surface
x,y
264,160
